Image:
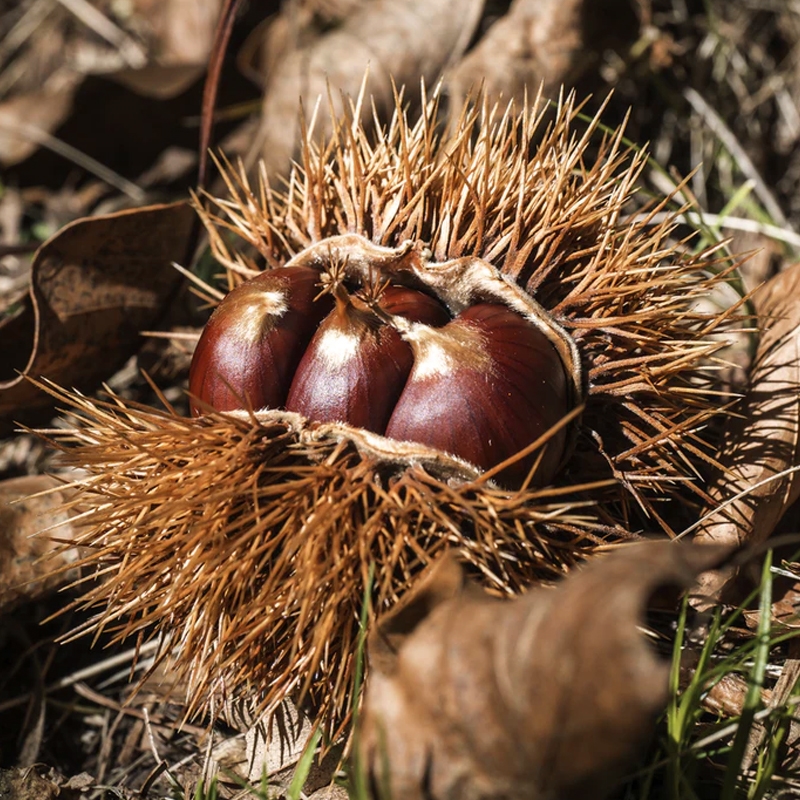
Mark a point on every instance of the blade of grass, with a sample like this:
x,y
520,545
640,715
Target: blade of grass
x,y
768,759
725,135
357,777
685,707
201,793
245,785
67,151
304,765
752,699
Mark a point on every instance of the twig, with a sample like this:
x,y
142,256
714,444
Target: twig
x,y
22,30
89,694
731,500
87,672
71,153
787,236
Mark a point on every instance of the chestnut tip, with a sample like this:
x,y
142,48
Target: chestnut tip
x,y
356,364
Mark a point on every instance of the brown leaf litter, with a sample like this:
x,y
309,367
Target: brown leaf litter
x,y
156,48
402,42
550,694
94,286
753,490
32,564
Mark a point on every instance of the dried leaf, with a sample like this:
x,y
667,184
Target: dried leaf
x,y
24,120
332,792
547,695
32,565
407,41
157,48
27,784
535,42
786,605
95,285
272,745
763,438
727,696
180,34
39,782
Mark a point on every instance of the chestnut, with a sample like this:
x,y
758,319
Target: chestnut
x,y
483,388
357,364
251,345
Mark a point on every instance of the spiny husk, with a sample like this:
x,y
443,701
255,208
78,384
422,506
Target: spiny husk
x,y
247,544
519,191
247,541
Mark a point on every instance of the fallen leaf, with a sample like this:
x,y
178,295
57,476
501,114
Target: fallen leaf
x,y
406,41
547,695
270,41
272,745
537,41
332,792
25,120
39,782
157,48
94,286
786,606
727,696
179,34
30,565
763,437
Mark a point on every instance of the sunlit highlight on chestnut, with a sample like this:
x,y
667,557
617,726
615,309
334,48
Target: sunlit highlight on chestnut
x,y
483,388
357,364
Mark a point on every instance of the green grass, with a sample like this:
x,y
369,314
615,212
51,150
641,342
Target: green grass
x,y
698,755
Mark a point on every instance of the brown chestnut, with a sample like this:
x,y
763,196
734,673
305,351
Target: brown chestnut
x,y
483,388
356,365
251,345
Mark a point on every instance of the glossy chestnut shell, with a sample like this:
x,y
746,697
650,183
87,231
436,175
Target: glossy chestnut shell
x,y
488,400
357,364
473,371
249,349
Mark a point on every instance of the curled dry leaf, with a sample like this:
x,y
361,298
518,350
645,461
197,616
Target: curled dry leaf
x,y
32,565
94,286
547,695
763,437
536,42
395,39
179,34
